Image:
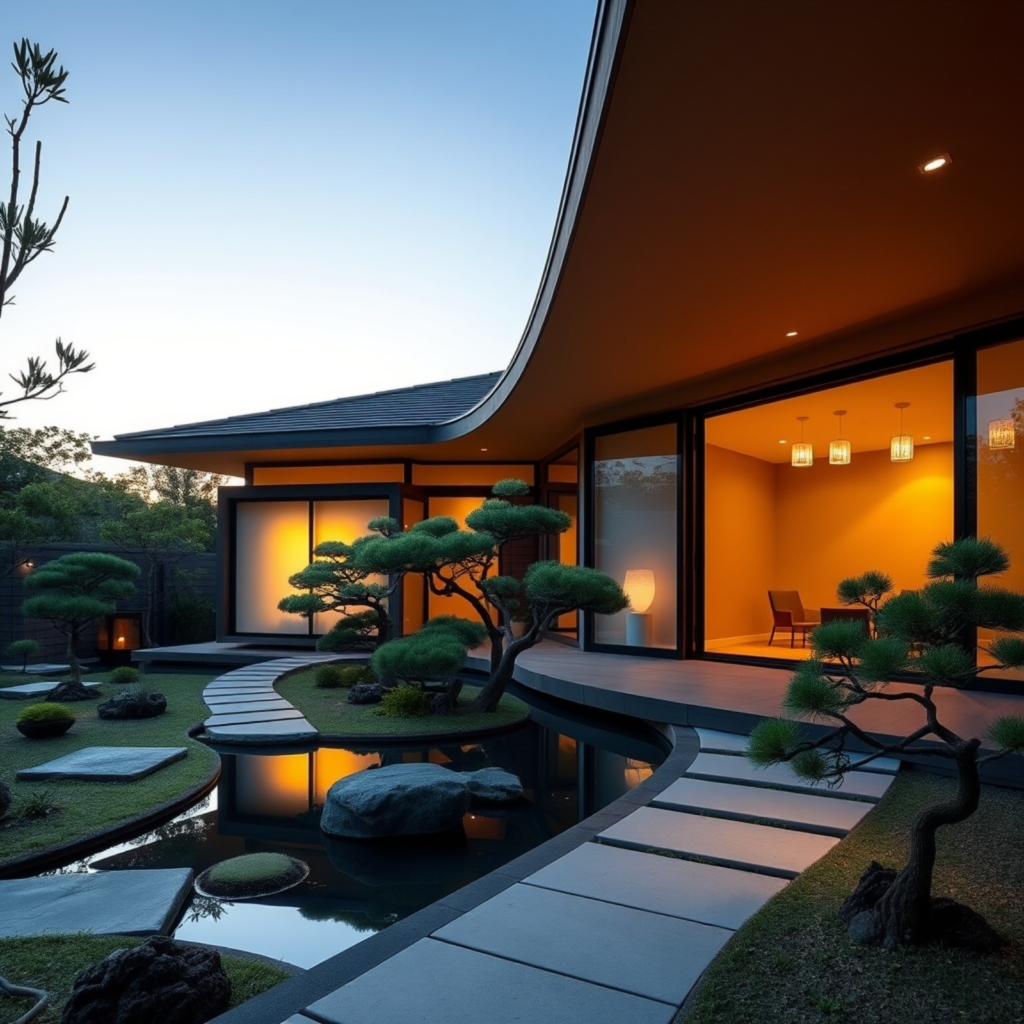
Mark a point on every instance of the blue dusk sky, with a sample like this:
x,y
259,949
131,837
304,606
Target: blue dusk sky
x,y
275,203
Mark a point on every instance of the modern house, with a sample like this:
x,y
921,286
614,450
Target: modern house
x,y
779,338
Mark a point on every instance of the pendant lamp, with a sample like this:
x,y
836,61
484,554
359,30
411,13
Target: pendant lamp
x,y
901,446
840,452
803,452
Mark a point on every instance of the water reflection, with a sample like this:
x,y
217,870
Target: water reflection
x,y
273,802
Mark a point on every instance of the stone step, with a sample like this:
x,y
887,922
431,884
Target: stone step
x,y
805,811
292,730
735,844
729,768
247,717
664,885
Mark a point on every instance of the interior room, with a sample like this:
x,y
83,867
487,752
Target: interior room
x,y
803,492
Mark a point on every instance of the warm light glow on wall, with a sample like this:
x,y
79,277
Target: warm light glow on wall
x,y
636,771
639,588
901,446
476,826
277,786
802,454
1001,435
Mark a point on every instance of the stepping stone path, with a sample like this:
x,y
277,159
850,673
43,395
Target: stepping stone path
x,y
131,902
26,691
105,764
246,709
620,928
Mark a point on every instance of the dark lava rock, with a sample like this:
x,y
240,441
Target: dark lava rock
x,y
160,981
366,693
69,691
133,705
399,800
5,798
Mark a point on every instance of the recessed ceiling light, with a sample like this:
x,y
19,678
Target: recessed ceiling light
x,y
936,163
927,437
483,449
790,334
783,441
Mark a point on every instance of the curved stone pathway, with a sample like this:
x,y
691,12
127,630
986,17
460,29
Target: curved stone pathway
x,y
620,928
246,709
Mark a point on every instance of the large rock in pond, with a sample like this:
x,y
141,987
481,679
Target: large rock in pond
x,y
129,705
161,980
493,786
399,800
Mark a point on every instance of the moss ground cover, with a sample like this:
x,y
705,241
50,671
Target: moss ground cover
x,y
251,875
329,711
792,962
83,808
51,963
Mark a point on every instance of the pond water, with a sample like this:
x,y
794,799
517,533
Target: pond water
x,y
570,767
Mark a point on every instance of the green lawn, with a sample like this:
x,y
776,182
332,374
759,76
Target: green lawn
x,y
329,711
51,963
792,963
88,807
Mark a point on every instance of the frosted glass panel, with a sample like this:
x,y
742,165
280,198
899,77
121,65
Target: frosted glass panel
x,y
344,521
272,543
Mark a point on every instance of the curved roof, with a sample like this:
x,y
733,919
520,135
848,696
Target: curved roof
x,y
739,172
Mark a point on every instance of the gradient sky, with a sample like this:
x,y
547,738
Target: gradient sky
x,y
275,203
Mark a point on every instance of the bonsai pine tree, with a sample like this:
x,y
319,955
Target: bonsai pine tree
x,y
23,649
924,632
869,590
335,583
74,591
464,563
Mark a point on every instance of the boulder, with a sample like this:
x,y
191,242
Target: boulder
x,y
366,693
69,691
493,785
132,705
161,980
399,800
5,798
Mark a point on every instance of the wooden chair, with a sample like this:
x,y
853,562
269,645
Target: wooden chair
x,y
789,613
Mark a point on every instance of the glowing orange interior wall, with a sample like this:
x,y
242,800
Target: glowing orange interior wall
x,y
277,786
272,542
771,526
458,509
379,474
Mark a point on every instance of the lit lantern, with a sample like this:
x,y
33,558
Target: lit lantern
x,y
901,446
1001,435
639,588
840,451
802,454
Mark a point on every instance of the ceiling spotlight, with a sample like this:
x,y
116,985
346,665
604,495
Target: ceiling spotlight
x,y
782,441
791,334
483,449
935,164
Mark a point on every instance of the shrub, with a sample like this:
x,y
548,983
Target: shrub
x,y
23,649
46,712
124,674
328,677
404,702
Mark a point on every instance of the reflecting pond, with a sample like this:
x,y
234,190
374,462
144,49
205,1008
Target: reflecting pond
x,y
569,767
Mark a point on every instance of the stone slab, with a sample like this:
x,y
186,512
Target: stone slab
x,y
244,707
432,981
241,691
856,785
290,730
244,717
807,811
665,885
226,699
739,844
714,739
49,668
649,955
26,691
130,902
106,764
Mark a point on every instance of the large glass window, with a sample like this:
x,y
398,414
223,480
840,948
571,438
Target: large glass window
x,y
803,492
999,439
636,510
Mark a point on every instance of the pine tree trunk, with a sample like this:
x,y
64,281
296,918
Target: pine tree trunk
x,y
904,911
72,655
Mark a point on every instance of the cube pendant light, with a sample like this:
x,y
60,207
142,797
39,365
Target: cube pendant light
x,y
1001,435
901,446
840,451
803,452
